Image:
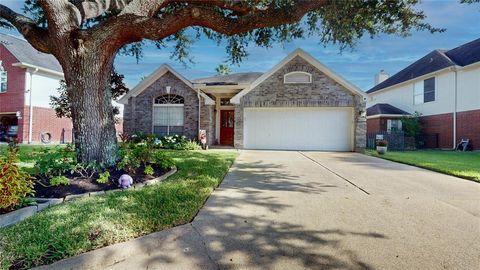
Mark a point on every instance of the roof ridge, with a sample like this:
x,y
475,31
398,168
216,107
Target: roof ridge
x,y
443,53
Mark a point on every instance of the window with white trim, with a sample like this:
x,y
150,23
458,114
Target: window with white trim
x,y
297,77
394,125
424,91
3,80
168,115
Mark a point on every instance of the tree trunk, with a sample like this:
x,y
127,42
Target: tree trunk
x,y
88,88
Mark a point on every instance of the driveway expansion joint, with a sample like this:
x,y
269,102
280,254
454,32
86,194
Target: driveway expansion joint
x,y
332,171
205,245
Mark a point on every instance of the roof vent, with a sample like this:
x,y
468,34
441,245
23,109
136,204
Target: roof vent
x,y
381,76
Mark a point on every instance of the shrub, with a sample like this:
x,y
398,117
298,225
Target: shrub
x,y
103,177
127,161
55,161
382,143
411,125
87,170
15,184
164,161
148,170
178,142
59,180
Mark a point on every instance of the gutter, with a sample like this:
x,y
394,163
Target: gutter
x,y
46,70
30,116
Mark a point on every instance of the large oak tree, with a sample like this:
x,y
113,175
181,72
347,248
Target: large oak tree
x,y
86,35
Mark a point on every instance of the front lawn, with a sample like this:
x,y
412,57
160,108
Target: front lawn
x,y
85,224
26,152
461,164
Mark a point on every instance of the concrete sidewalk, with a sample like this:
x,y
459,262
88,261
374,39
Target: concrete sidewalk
x,y
310,210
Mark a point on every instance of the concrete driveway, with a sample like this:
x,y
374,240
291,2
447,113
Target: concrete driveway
x,y
312,210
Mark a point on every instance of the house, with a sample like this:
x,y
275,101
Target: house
x,y
28,79
443,86
299,104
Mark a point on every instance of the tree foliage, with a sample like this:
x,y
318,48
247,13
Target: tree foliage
x,y
223,69
62,104
411,125
340,22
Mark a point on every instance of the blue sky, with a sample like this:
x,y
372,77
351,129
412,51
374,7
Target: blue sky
x,y
359,65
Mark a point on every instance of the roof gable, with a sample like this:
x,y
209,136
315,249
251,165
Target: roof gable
x,y
309,59
152,78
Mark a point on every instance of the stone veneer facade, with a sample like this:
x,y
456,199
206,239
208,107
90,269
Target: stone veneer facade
x,y
138,113
322,92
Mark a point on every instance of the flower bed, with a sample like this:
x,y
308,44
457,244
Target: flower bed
x,y
57,173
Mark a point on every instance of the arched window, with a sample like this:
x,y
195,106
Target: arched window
x,y
168,114
297,77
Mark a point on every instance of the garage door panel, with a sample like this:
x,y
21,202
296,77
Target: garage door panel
x,y
327,129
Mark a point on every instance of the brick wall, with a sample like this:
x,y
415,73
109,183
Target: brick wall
x,y
45,120
441,124
13,99
468,127
137,115
376,124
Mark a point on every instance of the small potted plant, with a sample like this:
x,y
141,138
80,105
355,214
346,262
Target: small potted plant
x,y
382,146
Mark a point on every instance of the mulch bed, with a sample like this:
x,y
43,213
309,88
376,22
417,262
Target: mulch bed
x,y
80,185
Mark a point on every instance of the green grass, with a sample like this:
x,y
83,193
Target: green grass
x,y
85,224
26,152
461,164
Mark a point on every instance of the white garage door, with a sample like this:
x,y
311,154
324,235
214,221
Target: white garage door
x,y
329,129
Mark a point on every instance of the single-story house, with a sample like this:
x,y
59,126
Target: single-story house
x,y
299,104
443,86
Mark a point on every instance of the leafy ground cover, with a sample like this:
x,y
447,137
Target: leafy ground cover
x,y
89,223
461,164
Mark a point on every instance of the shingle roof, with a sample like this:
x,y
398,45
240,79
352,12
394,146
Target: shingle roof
x,y
466,54
385,108
463,55
231,79
25,53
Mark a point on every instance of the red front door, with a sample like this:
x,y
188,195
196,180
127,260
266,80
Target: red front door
x,y
227,124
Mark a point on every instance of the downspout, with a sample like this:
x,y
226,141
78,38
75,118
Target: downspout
x,y
199,104
30,117
455,109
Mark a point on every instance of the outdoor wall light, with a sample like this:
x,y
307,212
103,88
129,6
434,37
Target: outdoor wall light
x,y
168,89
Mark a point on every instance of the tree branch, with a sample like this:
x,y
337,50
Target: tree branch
x,y
128,28
62,16
38,37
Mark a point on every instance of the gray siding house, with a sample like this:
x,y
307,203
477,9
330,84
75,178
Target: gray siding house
x,y
299,104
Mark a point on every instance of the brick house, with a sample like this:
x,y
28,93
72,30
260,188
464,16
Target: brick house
x,y
443,86
299,104
29,78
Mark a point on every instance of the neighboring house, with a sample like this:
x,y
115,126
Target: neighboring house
x,y
443,86
299,104
28,80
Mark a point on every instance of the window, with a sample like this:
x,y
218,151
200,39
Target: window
x,y
3,80
394,125
424,91
168,115
297,77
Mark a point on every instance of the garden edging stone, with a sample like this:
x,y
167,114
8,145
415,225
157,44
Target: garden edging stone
x,y
43,203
